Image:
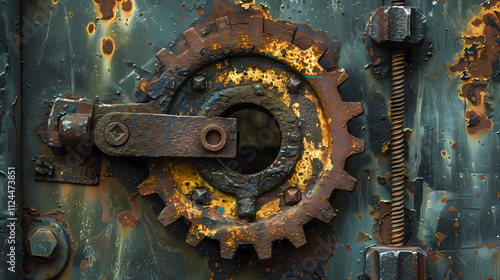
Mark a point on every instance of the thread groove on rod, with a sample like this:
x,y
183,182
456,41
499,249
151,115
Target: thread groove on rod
x,y
397,147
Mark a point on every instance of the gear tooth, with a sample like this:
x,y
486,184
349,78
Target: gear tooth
x,y
264,250
256,24
168,215
342,75
191,36
223,25
318,49
298,238
194,236
284,32
353,108
327,212
358,145
344,182
165,56
226,251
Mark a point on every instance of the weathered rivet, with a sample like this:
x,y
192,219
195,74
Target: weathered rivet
x,y
201,196
42,242
91,172
200,83
294,85
116,134
213,138
292,196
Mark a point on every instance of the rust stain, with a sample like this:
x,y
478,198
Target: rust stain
x,y
127,220
362,236
54,1
440,237
434,256
127,5
106,9
444,200
489,245
478,65
359,217
478,195
348,248
84,264
495,255
482,178
91,27
107,46
452,209
453,145
367,173
408,132
479,246
456,224
443,153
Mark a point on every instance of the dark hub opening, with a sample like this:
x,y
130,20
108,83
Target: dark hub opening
x,y
259,139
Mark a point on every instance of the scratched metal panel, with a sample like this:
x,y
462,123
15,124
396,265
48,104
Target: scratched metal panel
x,y
10,192
453,162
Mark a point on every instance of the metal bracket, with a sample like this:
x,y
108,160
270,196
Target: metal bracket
x,y
158,135
132,130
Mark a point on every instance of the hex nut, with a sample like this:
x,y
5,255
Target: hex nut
x,y
397,24
42,242
386,262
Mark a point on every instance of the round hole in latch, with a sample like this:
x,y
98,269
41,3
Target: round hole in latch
x,y
213,137
259,138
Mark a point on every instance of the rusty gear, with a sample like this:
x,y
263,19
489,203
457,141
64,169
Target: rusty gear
x,y
251,34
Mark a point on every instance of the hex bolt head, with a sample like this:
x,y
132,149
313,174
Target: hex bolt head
x,y
201,196
42,242
116,134
200,83
294,85
292,196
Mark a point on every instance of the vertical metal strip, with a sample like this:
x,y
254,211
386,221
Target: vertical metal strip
x,y
11,240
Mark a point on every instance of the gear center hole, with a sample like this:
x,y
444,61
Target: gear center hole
x,y
259,138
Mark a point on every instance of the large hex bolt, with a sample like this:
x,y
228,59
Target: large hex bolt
x,y
200,83
292,196
294,85
397,24
42,242
403,263
116,134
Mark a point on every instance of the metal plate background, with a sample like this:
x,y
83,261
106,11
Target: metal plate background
x,y
59,55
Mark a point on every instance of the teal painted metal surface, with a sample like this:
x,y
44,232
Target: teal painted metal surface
x,y
453,174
